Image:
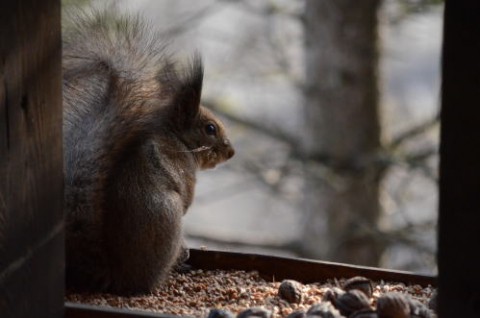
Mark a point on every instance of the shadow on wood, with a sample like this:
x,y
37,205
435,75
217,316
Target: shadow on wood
x,y
31,160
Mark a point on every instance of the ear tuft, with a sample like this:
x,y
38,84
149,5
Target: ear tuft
x,y
186,101
195,75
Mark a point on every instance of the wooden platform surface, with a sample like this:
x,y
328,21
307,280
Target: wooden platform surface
x,y
271,268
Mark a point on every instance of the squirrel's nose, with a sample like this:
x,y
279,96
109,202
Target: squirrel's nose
x,y
230,150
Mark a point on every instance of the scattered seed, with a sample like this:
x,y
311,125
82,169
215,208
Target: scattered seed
x,y
195,293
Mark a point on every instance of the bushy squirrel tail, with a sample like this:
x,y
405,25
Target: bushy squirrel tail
x,y
120,86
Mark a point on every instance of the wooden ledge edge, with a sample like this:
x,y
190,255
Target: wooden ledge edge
x,y
74,310
277,268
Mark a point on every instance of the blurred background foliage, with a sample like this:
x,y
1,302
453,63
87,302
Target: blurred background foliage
x,y
333,109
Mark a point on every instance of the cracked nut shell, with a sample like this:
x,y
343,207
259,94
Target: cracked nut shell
x,y
393,305
418,310
360,283
367,313
323,310
291,291
352,301
219,313
255,312
332,294
297,314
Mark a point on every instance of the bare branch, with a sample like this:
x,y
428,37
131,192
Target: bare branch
x,y
269,9
190,21
382,160
413,132
260,127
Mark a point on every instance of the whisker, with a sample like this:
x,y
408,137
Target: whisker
x,y
199,149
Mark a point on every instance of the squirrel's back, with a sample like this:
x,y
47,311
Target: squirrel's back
x,y
134,136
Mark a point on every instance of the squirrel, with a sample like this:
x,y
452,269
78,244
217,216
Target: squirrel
x,y
134,136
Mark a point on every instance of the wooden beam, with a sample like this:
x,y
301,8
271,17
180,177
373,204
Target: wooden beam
x,y
31,178
459,219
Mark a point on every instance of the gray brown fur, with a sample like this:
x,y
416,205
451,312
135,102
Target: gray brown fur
x,y
134,137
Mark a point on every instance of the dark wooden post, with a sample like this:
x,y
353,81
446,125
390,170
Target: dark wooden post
x,y
31,181
459,222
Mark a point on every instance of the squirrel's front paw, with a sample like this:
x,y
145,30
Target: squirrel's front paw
x,y
183,256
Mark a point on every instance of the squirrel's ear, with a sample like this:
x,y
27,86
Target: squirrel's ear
x,y
186,101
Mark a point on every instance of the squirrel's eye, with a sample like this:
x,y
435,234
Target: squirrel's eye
x,y
210,129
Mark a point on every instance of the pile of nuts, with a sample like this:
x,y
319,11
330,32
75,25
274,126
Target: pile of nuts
x,y
226,294
355,301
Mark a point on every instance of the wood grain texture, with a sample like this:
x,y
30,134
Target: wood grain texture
x,y
31,178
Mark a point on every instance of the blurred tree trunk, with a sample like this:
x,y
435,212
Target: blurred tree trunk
x,y
342,131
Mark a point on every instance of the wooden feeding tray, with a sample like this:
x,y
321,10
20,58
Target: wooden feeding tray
x,y
270,268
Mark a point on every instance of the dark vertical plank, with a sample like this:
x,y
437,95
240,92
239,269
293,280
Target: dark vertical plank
x,y
31,182
459,220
